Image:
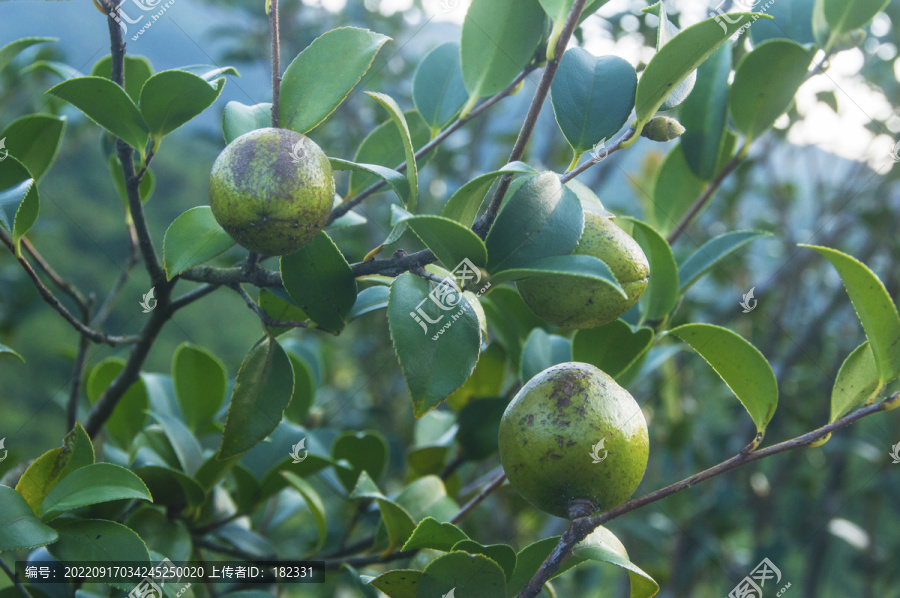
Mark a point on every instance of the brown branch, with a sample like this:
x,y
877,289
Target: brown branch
x,y
484,223
63,285
467,508
704,198
276,60
191,296
596,160
582,526
78,370
133,258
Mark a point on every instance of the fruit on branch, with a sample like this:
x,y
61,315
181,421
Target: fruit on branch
x,y
663,129
272,190
574,302
572,436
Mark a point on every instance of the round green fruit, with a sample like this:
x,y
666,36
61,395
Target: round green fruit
x,y
573,302
572,436
272,190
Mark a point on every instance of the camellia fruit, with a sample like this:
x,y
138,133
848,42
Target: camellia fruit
x,y
272,190
573,302
574,441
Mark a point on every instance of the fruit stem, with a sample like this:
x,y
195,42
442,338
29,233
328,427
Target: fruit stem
x,y
276,60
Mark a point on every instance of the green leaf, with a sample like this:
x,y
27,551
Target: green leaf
x,y
328,302
146,188
129,415
463,205
666,31
489,375
99,541
501,554
856,381
711,253
304,389
438,88
705,113
435,359
397,521
661,295
4,350
90,485
601,545
322,75
613,347
546,219
394,179
675,190
363,451
471,576
451,242
171,488
48,469
676,60
542,351
108,105
19,528
764,85
210,72
412,171
161,534
170,99
262,391
873,305
369,300
479,426
12,49
846,15
199,379
592,97
137,71
528,560
19,199
790,20
740,365
510,320
499,39
433,535
34,140
193,238
399,583
60,69
558,11
238,119
315,505
583,266
184,444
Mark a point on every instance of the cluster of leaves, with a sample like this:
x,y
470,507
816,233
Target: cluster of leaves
x,y
164,491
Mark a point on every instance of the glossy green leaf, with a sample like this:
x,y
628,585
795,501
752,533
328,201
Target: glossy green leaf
x,y
4,350
438,88
592,97
397,521
675,190
602,545
499,38
613,347
193,238
470,576
661,295
262,391
170,99
479,425
434,535
278,305
108,105
90,485
583,266
210,72
364,451
875,309
184,444
666,31
528,560
464,204
558,11
489,375
501,554
450,241
19,199
369,300
546,219
199,379
238,119
680,57
146,188
34,140
129,415
856,381
60,69
790,20
170,487
510,320
12,49
137,71
711,253
542,351
327,302
394,179
385,147
399,583
322,76
412,170
843,16
100,541
304,389
19,528
436,359
315,505
170,537
47,470
705,113
765,83
740,365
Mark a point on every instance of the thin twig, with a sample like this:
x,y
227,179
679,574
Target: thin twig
x,y
701,201
581,527
12,578
64,285
78,369
498,481
191,296
133,258
596,160
266,319
276,59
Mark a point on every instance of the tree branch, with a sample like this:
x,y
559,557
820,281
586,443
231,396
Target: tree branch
x,y
191,296
63,285
582,526
467,508
259,311
599,158
78,370
704,198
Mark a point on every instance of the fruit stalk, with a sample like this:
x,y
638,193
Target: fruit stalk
x,y
276,60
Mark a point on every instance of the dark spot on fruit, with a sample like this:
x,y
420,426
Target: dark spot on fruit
x,y
560,440
556,457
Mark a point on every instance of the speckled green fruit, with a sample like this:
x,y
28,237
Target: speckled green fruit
x,y
549,431
272,190
573,302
